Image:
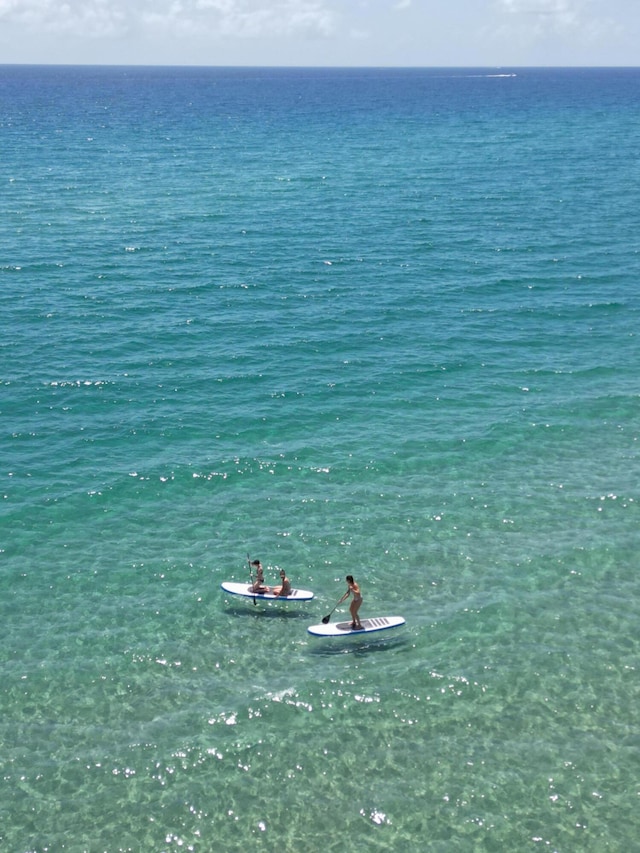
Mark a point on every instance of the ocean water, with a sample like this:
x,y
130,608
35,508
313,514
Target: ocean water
x,y
379,322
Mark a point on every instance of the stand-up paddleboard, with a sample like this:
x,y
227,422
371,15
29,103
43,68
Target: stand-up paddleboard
x,y
246,591
369,626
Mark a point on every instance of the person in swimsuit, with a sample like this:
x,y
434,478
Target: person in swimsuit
x,y
356,601
259,584
285,588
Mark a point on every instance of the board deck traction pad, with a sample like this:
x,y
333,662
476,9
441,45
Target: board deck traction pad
x,y
375,622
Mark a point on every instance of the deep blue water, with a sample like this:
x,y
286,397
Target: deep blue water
x,y
380,322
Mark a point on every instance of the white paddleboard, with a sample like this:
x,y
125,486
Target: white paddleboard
x,y
369,626
245,590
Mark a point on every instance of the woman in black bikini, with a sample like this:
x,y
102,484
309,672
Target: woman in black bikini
x,y
356,601
258,584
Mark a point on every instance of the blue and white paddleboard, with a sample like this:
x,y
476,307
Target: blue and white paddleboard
x,y
344,629
245,591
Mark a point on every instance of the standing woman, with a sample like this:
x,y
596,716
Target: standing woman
x,y
356,601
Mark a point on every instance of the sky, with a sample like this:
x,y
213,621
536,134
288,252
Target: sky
x,y
424,33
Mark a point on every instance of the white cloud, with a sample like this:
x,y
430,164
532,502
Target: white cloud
x,y
544,7
98,17
321,32
554,13
244,18
576,19
581,30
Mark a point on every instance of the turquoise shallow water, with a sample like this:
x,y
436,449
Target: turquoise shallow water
x,y
347,321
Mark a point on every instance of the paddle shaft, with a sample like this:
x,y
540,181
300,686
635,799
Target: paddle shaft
x,y
326,618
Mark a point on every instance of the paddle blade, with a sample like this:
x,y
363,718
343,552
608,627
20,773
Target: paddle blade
x,y
325,619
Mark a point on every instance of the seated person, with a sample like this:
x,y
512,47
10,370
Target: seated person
x,y
285,587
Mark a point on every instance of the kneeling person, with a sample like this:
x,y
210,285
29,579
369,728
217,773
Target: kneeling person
x,y
259,584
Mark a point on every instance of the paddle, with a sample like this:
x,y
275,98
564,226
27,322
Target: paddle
x,y
325,619
255,603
